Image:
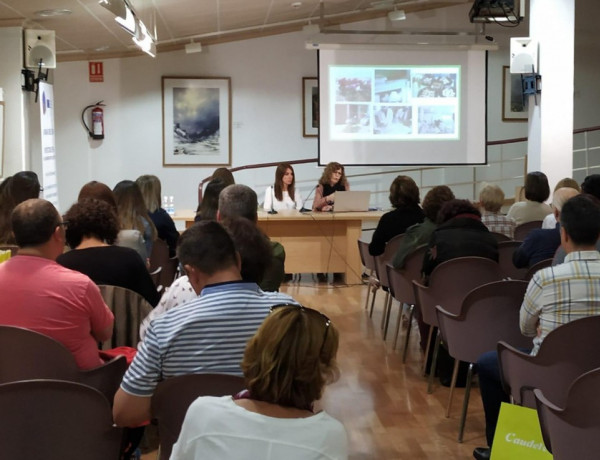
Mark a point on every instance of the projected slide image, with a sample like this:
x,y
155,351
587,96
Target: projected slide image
x,y
428,85
393,120
352,118
437,119
392,86
353,84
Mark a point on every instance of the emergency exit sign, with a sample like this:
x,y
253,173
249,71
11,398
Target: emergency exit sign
x,y
96,72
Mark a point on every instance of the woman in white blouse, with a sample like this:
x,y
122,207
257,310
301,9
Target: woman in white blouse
x,y
283,195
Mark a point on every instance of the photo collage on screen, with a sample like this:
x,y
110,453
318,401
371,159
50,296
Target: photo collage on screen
x,y
408,103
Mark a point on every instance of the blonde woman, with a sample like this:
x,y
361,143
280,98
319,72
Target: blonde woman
x,y
286,366
333,180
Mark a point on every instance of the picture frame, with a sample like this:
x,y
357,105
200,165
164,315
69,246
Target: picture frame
x,y
310,107
513,108
196,119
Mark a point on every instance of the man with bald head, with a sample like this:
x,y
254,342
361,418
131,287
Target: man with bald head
x,y
41,295
542,243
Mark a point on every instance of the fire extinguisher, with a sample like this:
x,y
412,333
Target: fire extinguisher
x,y
97,131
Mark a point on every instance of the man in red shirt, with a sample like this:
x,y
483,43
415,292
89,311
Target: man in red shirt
x,y
40,295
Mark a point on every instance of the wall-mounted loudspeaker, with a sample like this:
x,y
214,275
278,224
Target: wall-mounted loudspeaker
x,y
523,55
40,46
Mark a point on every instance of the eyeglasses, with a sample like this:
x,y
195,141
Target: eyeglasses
x,y
309,311
64,223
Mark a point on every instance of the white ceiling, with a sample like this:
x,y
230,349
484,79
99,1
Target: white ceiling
x,y
91,32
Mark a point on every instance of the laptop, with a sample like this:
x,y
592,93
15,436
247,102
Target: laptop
x,y
351,201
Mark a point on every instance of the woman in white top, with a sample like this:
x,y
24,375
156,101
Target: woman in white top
x,y
533,208
283,195
286,366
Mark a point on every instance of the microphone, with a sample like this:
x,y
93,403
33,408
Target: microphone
x,y
303,209
272,211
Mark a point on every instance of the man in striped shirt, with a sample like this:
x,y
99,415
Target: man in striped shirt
x,y
207,334
554,296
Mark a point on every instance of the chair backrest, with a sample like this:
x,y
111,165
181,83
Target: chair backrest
x,y
489,313
500,237
521,231
160,258
381,261
535,267
173,397
130,309
26,355
56,420
451,281
573,431
505,260
566,352
367,259
400,279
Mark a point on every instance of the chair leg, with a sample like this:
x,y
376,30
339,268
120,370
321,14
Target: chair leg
x,y
438,339
452,386
388,310
385,304
424,370
408,329
372,303
368,289
398,323
463,415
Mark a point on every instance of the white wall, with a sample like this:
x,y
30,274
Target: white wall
x,y
266,75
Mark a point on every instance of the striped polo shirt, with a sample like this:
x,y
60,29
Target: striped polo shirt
x,y
206,335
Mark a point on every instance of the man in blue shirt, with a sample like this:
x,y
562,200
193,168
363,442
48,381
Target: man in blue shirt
x,y
205,335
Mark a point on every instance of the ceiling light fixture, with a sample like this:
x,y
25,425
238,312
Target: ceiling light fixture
x,y
128,20
52,13
397,15
193,47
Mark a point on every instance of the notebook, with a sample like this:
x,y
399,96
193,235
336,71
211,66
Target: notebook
x,y
351,201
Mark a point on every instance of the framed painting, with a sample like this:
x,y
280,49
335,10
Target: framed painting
x,y
196,121
310,107
514,107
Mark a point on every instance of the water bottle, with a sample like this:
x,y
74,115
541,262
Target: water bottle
x,y
171,206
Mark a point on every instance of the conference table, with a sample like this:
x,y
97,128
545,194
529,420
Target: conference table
x,y
317,242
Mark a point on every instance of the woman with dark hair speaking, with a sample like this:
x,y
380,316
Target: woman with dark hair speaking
x,y
333,180
286,366
404,197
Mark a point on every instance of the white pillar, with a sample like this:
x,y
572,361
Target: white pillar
x,y
11,59
550,145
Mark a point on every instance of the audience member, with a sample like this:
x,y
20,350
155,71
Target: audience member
x,y
333,180
91,231
207,334
555,296
404,197
132,212
283,194
533,208
550,221
255,253
541,243
286,366
13,191
222,174
491,199
41,295
419,234
460,234
127,238
165,227
207,210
